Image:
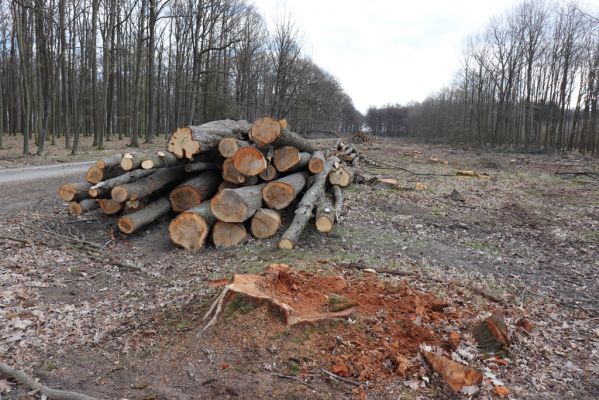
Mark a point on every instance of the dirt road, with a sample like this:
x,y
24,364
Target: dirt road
x,y
13,175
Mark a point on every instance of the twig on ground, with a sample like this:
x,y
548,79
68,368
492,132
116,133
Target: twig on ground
x,y
291,378
341,378
45,390
15,239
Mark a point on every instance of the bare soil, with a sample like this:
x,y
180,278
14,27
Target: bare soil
x,y
526,236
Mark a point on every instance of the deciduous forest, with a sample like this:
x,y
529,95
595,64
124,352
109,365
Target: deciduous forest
x,y
140,68
530,80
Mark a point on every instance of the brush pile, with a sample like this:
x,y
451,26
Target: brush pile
x,y
224,177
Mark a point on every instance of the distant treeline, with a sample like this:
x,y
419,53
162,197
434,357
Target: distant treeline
x,y
139,68
530,80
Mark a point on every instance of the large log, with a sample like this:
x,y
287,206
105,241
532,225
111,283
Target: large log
x,y
232,174
325,215
280,193
190,228
194,191
266,131
237,205
289,158
226,234
191,140
306,206
148,185
74,191
78,208
228,146
249,161
132,222
265,223
316,163
342,176
103,189
109,206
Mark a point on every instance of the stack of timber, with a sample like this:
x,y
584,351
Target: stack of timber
x,y
227,180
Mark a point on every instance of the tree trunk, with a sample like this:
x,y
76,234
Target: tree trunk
x,y
289,158
74,191
237,205
191,140
103,189
265,223
194,191
266,131
280,193
316,163
138,219
228,146
148,185
78,208
249,161
190,228
226,234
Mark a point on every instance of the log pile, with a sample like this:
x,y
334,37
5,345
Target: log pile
x,y
227,180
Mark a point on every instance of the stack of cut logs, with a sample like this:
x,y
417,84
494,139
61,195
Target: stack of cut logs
x,y
223,177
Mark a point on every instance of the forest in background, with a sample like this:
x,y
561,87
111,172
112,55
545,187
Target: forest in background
x,y
140,68
530,80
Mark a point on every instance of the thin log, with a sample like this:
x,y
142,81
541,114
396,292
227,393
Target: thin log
x,y
265,223
237,205
339,199
194,191
325,215
199,166
78,208
303,213
342,176
74,191
191,140
109,162
144,187
190,228
280,193
232,174
228,146
266,131
249,161
160,159
138,219
227,234
95,174
316,163
102,189
289,158
109,206
269,174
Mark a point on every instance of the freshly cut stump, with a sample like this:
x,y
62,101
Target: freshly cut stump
x,y
194,191
190,228
228,146
227,234
138,219
74,191
280,193
109,206
249,161
237,205
265,223
316,164
83,206
289,158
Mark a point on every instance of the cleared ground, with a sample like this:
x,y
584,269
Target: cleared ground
x,y
524,234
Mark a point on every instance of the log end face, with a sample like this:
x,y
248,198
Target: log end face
x,y
228,206
93,193
119,194
127,163
265,223
264,131
278,195
316,165
183,198
324,224
126,225
94,175
249,161
67,192
181,144
75,208
147,164
226,234
286,244
189,231
227,147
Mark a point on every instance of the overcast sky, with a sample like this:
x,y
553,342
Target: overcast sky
x,y
387,51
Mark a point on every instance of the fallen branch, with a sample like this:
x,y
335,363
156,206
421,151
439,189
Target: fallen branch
x,y
341,378
45,390
15,239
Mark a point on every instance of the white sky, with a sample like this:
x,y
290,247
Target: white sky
x,y
387,51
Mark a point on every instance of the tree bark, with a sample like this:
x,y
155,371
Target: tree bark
x,y
237,205
194,191
265,223
280,193
102,189
325,215
227,234
148,185
190,228
74,191
138,219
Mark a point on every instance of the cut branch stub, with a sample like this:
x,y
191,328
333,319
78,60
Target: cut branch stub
x,y
280,193
194,191
265,223
226,234
228,146
190,228
237,205
316,163
289,158
249,161
138,219
74,191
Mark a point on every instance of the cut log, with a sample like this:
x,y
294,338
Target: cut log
x,y
232,174
266,131
199,166
316,163
190,228
338,201
237,205
109,162
102,189
249,161
289,158
280,193
83,206
131,161
191,140
109,206
95,174
194,191
226,234
269,174
228,146
145,186
325,215
306,206
160,159
74,191
265,223
138,219
342,176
